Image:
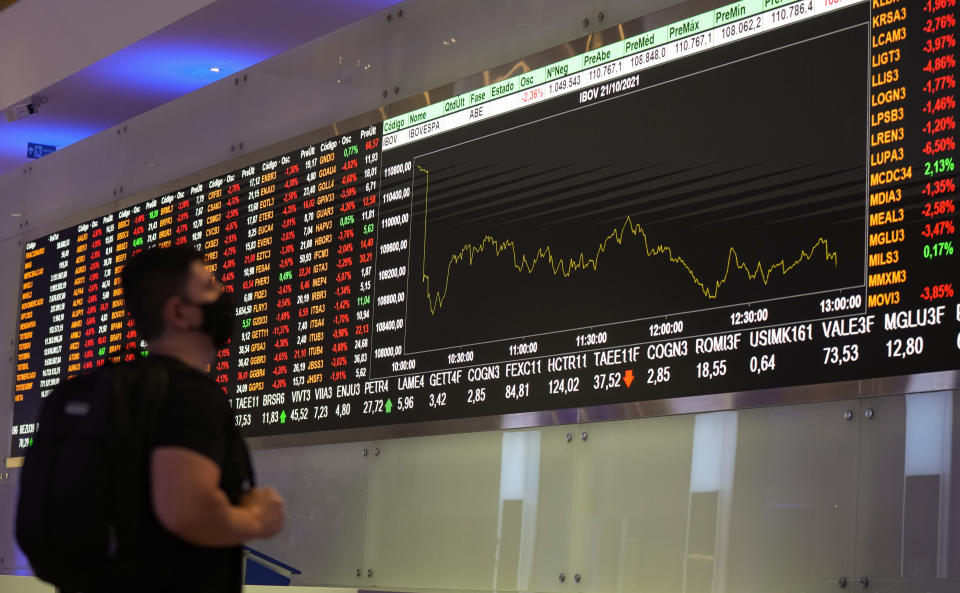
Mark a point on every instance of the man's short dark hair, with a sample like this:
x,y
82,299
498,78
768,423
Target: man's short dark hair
x,y
149,279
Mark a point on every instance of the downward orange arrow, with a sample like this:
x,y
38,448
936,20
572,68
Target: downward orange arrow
x,y
628,378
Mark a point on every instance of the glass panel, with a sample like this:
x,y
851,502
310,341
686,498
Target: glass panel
x,y
632,501
7,512
325,489
62,189
551,544
12,560
476,511
908,529
421,60
794,499
13,188
327,80
745,501
11,266
156,152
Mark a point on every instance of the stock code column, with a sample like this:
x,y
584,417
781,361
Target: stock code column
x,y
78,293
912,146
279,316
351,240
253,301
216,214
890,161
315,228
121,326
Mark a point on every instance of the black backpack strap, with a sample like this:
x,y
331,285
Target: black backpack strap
x,y
138,390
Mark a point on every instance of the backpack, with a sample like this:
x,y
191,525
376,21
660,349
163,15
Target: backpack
x,y
84,482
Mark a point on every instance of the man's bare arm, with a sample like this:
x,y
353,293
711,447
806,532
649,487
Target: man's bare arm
x,y
189,503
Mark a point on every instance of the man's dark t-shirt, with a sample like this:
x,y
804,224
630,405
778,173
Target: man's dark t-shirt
x,y
195,414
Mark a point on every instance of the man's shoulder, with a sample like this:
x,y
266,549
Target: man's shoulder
x,y
168,366
174,379
185,382
194,412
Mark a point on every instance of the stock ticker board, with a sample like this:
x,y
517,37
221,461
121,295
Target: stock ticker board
x,y
759,196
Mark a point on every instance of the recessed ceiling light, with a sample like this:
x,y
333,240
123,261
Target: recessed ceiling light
x,y
15,214
150,164
215,69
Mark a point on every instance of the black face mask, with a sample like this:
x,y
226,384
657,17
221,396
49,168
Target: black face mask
x,y
217,319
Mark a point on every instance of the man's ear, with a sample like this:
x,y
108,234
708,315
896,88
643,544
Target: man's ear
x,y
173,314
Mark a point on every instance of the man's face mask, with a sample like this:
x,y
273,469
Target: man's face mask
x,y
217,319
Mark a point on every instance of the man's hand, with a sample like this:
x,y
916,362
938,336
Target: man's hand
x,y
267,507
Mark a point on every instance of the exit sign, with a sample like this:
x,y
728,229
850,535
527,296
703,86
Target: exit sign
x,y
35,151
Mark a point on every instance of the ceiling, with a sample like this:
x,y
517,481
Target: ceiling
x,y
211,43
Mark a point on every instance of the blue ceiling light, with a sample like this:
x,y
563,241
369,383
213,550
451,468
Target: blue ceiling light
x,y
170,69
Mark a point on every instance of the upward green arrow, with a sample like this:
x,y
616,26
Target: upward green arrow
x,y
283,416
388,406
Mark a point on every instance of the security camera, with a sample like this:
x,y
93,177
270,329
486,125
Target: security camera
x,y
25,109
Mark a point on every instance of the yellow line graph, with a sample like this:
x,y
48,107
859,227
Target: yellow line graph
x,y
567,266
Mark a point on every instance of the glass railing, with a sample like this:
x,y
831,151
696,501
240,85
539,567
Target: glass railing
x,y
812,497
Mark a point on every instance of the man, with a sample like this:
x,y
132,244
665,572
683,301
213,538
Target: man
x,y
202,505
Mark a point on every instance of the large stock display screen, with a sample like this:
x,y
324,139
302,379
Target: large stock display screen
x,y
762,195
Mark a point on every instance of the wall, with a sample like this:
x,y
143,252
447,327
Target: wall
x,y
772,499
